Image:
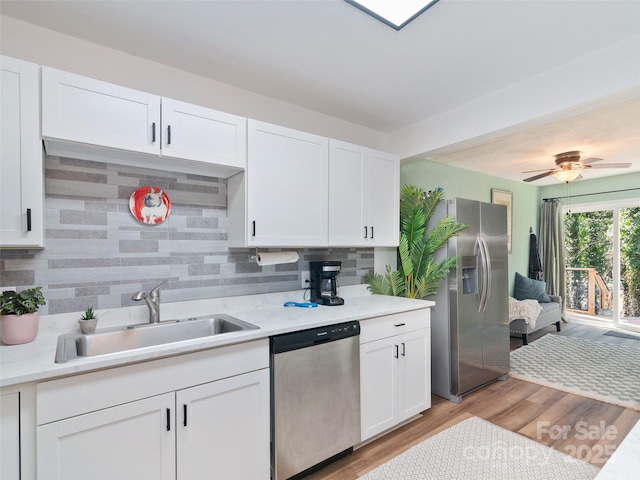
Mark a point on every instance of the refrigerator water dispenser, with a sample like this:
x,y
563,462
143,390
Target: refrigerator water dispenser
x,y
469,275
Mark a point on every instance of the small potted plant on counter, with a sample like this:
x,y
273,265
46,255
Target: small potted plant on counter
x,y
19,317
88,321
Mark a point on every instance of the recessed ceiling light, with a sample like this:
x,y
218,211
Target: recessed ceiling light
x,y
395,13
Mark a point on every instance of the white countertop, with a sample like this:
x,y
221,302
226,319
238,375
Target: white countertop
x,y
35,361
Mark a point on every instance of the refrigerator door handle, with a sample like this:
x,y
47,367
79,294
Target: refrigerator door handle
x,y
487,272
479,253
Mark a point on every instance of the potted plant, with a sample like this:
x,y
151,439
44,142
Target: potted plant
x,y
418,275
88,321
19,315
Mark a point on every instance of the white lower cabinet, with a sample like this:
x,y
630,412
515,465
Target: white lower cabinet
x,y
211,430
223,429
134,441
395,371
10,436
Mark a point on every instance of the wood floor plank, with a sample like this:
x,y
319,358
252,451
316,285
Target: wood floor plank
x,y
522,407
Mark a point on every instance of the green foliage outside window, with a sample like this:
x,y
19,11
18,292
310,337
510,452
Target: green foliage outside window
x,y
589,244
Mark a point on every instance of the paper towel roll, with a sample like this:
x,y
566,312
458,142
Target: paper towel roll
x,y
274,258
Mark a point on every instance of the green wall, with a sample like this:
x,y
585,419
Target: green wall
x,y
458,182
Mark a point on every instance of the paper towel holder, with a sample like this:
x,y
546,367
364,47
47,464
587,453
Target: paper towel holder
x,y
281,257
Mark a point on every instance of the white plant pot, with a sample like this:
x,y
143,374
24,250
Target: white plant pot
x,y
88,326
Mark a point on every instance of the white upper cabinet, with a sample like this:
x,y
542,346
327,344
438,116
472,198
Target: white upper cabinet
x,y
384,199
363,196
81,109
281,199
87,118
202,134
21,166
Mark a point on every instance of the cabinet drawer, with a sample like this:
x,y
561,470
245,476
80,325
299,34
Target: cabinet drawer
x,y
396,324
70,396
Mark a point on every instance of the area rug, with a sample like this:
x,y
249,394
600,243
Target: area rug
x,y
602,371
477,449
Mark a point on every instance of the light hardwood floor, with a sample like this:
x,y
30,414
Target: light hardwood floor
x,y
531,410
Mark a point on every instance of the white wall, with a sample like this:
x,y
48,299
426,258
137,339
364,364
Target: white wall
x,y
605,73
46,47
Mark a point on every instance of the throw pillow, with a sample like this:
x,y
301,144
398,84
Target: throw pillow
x,y
525,288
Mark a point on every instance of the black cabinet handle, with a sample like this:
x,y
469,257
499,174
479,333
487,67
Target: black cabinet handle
x,y
403,349
399,324
253,228
397,351
372,233
168,134
168,419
365,232
153,132
28,219
184,414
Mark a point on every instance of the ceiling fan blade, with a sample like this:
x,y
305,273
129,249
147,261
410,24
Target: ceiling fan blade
x,y
588,161
542,175
540,170
611,165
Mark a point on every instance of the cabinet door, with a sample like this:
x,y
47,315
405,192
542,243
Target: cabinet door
x,y
202,134
347,223
89,111
21,181
378,386
133,441
287,187
414,380
384,203
10,436
223,429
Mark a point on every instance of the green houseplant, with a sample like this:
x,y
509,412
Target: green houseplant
x,y
88,321
418,275
19,315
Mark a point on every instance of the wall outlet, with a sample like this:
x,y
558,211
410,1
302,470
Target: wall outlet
x,y
305,279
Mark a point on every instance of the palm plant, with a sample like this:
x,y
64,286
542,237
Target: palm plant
x,y
418,274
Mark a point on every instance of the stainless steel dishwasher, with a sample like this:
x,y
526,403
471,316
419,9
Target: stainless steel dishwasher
x,y
315,388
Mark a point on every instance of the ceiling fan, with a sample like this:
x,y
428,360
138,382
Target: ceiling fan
x,y
569,167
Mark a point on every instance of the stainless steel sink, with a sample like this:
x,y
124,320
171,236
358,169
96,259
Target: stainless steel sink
x,y
118,339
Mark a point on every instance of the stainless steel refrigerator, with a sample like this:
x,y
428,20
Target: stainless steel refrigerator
x,y
470,321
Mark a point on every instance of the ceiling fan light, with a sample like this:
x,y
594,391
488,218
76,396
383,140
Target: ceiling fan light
x,y
567,176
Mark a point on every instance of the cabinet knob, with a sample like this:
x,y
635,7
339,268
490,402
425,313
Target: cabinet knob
x,y
366,232
153,132
168,134
168,419
372,233
397,351
253,228
28,219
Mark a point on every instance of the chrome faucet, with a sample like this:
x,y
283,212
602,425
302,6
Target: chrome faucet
x,y
153,301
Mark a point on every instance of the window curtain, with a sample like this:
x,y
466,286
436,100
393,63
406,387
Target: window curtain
x,y
552,249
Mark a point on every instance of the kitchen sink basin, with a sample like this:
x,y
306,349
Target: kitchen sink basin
x,y
72,346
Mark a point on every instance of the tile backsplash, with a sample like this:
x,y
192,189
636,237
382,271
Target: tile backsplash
x,y
97,254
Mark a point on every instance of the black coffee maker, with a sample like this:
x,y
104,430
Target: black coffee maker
x,y
324,284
